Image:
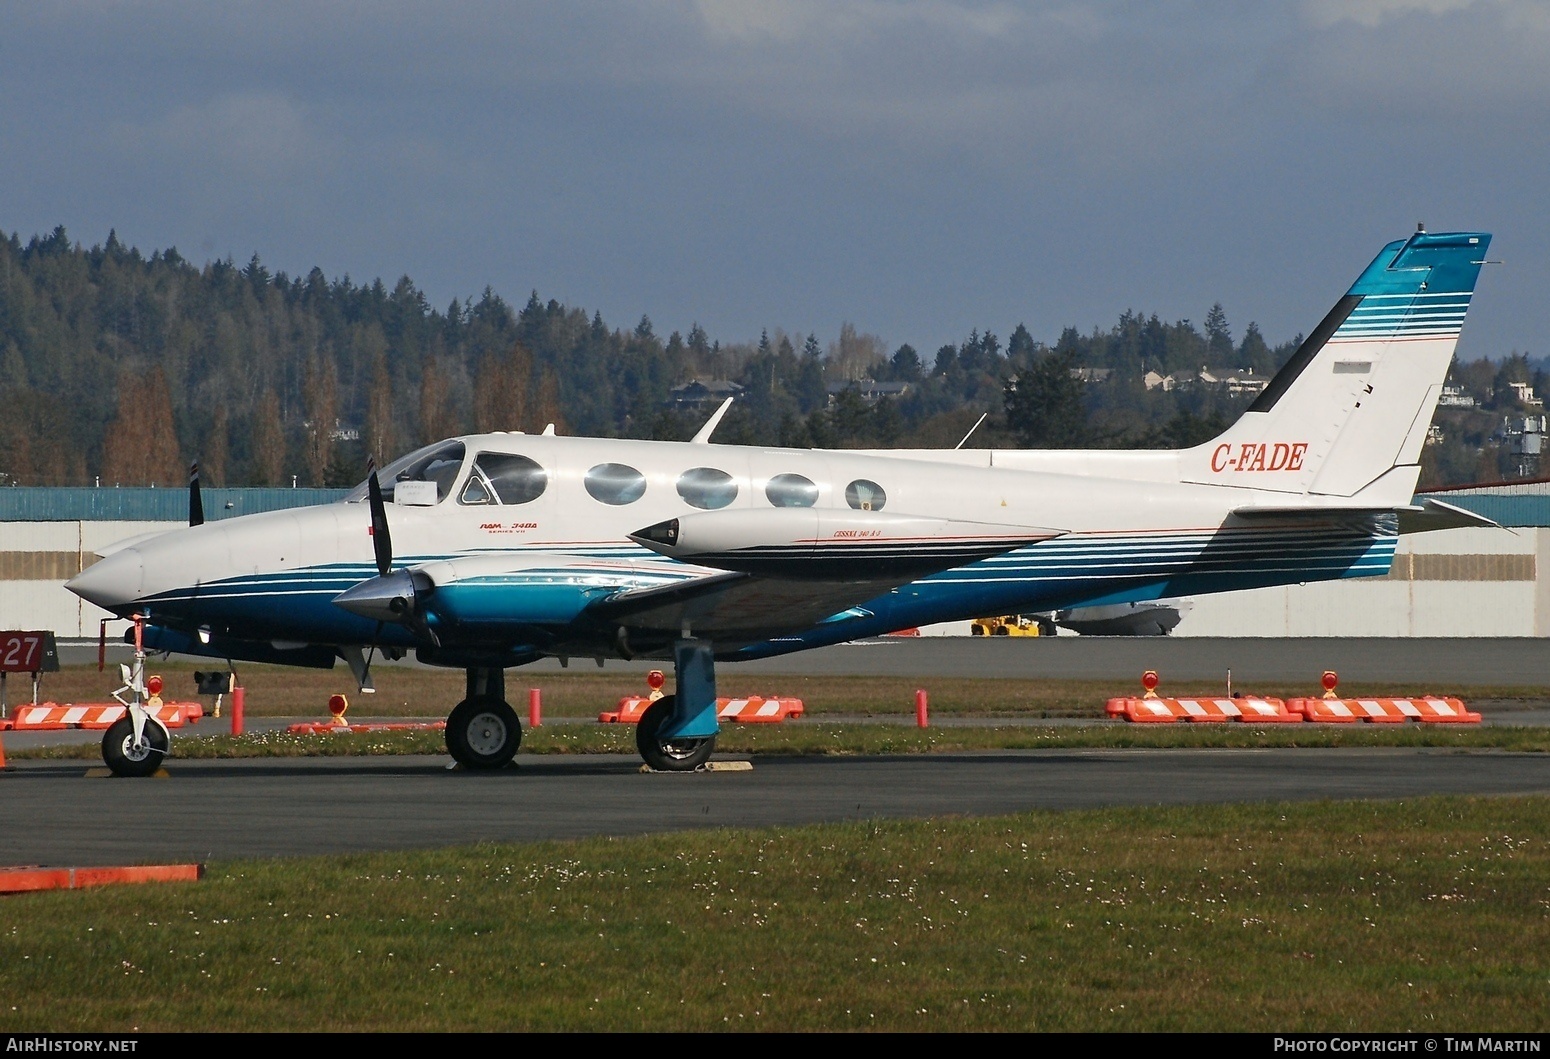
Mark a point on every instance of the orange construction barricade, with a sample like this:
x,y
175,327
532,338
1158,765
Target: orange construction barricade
x,y
51,716
1428,709
754,709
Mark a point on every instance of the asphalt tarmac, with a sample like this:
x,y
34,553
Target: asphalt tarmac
x,y
269,807
296,806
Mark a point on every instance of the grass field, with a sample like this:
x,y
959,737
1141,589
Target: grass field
x,y
1424,915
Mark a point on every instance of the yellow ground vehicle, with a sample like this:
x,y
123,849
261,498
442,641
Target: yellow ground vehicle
x,y
1005,625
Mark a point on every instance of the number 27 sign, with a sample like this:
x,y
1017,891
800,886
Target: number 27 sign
x,y
28,652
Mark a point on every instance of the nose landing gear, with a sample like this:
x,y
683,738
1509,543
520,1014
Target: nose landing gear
x,y
135,743
127,756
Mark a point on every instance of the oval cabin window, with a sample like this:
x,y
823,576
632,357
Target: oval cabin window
x,y
706,487
791,490
615,483
865,496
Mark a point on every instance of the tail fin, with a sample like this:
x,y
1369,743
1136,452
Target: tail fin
x,y
1348,413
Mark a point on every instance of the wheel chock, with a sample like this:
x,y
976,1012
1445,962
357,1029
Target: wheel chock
x,y
709,766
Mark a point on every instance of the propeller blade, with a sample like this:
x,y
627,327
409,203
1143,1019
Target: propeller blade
x,y
196,505
381,540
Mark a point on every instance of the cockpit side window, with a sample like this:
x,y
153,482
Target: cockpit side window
x,y
504,478
475,490
439,463
515,479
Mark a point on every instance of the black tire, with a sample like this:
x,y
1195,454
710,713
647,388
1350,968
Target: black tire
x,y
125,759
483,733
1002,630
677,755
976,630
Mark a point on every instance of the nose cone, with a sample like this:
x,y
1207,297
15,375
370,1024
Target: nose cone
x,y
386,598
114,583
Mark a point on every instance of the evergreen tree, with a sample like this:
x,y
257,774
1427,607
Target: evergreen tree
x,y
1218,335
1045,407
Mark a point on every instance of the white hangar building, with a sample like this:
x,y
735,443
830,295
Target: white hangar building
x,y
1461,582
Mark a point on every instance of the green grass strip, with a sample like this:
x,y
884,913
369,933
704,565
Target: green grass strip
x,y
816,737
1422,915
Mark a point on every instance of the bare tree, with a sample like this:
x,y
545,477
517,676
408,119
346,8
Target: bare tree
x,y
500,390
268,464
322,398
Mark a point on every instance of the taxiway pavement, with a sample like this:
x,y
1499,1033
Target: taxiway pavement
x,y
219,809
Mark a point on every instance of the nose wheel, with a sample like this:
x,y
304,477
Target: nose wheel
x,y
483,733
125,757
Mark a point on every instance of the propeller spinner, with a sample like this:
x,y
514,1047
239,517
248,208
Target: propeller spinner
x,y
393,595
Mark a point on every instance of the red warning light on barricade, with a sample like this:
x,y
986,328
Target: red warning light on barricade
x,y
655,679
1149,681
337,704
153,685
1330,680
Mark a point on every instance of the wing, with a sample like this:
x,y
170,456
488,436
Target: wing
x,y
740,576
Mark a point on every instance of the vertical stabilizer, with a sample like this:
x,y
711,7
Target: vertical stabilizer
x,y
1349,411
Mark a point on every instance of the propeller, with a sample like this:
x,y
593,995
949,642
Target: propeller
x,y
390,596
196,506
381,539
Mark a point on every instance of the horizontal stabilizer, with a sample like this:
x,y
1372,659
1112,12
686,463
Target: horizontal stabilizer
x,y
1413,518
1432,514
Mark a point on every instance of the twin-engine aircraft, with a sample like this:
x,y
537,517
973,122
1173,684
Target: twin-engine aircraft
x,y
493,550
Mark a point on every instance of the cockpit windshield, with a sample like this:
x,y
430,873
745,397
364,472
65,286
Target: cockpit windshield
x,y
438,463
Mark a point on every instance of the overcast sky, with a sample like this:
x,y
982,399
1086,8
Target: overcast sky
x,y
918,167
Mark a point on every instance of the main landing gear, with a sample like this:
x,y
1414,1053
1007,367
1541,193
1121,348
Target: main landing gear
x,y
483,731
676,734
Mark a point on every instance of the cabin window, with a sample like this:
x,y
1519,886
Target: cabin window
x,y
791,490
865,496
505,477
438,463
706,487
615,483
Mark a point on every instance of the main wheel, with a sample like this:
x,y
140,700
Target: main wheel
x,y
483,733
121,754
669,755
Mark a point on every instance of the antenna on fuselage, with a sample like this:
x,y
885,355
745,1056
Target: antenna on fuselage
x,y
549,431
703,437
972,429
